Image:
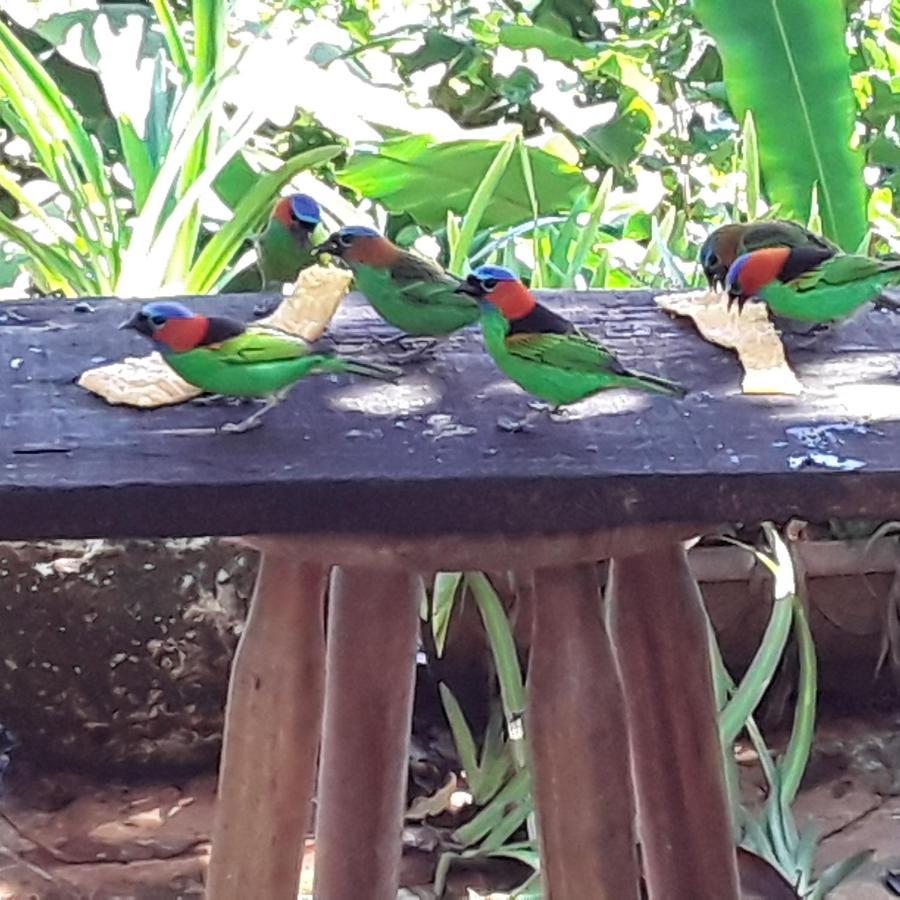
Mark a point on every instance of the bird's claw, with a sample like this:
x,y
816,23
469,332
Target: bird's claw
x,y
217,399
513,426
240,427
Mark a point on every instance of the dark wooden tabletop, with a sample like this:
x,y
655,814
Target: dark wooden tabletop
x,y
427,456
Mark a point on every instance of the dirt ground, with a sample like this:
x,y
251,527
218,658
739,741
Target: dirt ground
x,y
66,837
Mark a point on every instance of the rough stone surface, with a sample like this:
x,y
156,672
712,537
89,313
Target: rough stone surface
x,y
116,654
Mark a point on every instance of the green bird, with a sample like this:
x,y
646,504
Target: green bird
x,y
728,242
285,246
409,292
542,352
811,285
227,357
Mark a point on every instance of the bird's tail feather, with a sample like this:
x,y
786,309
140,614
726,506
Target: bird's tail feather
x,y
370,369
654,383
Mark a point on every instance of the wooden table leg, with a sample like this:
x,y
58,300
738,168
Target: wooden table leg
x,y
272,728
579,744
373,623
659,633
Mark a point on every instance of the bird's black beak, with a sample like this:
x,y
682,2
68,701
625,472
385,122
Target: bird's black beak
x,y
735,297
139,323
330,245
131,323
471,286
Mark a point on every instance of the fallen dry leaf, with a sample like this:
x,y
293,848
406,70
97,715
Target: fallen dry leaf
x,y
309,308
438,802
750,333
143,381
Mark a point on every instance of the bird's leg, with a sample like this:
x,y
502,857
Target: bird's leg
x,y
411,347
255,419
419,347
216,399
526,423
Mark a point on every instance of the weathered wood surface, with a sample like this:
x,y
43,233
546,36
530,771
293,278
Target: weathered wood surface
x,y
426,456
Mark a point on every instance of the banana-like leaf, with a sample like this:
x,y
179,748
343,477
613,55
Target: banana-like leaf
x,y
787,62
423,178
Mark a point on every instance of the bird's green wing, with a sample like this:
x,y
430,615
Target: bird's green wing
x,y
418,281
576,352
434,292
841,270
413,268
257,345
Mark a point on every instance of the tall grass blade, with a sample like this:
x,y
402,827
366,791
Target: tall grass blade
x,y
177,51
750,165
588,234
443,597
479,203
462,736
209,43
137,160
506,660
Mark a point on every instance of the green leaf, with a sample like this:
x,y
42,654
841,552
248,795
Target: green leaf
x,y
750,165
514,792
761,671
437,48
837,873
619,141
462,737
553,44
424,179
209,45
48,266
137,161
443,596
177,52
478,205
792,766
587,234
794,74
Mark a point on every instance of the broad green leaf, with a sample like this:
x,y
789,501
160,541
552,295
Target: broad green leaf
x,y
619,141
422,178
553,44
787,61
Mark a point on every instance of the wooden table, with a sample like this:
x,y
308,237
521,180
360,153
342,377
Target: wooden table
x,y
367,486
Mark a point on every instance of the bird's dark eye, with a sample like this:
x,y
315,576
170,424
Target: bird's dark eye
x,y
157,320
712,260
346,240
489,284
